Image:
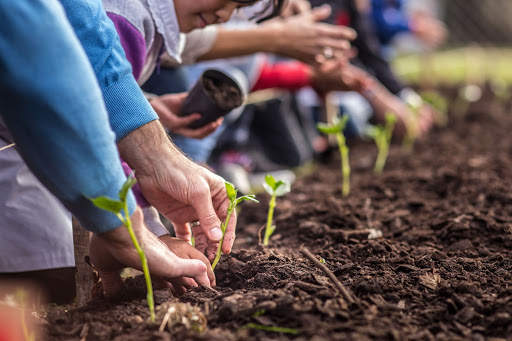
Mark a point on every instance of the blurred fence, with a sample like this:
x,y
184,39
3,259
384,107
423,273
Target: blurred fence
x,y
485,22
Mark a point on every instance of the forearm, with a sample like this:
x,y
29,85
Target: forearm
x,y
148,146
61,129
231,42
127,107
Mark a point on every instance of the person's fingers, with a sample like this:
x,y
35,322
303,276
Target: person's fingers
x,y
192,268
209,222
200,239
183,232
229,236
183,121
112,282
342,33
203,131
320,13
211,251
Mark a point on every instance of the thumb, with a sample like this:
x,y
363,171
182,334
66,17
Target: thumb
x,y
209,221
321,13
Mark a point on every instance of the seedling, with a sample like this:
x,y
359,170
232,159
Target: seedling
x,y
120,207
233,202
414,102
336,128
382,137
438,102
275,189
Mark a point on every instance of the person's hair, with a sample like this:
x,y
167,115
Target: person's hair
x,y
276,5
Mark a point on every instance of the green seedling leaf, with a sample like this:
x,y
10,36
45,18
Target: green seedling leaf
x,y
233,202
270,181
274,189
126,187
230,188
250,197
108,204
336,128
117,206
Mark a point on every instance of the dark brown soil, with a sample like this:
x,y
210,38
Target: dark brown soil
x,y
226,95
441,270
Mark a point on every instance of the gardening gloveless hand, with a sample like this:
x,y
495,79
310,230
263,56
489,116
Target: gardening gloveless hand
x,y
178,188
111,251
167,107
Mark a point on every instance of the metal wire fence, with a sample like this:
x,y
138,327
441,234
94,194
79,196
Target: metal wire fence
x,y
483,22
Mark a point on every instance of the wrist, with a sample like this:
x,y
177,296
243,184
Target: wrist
x,y
146,147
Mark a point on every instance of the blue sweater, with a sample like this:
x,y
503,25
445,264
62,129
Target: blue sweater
x,y
389,18
53,107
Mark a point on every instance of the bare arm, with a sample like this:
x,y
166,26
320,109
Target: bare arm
x,y
300,37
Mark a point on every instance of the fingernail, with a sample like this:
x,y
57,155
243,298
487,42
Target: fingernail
x,y
215,233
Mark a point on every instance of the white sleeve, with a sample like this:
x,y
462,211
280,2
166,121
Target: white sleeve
x,y
152,221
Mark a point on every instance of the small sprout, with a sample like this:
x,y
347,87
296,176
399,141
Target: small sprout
x,y
414,102
322,260
440,105
274,189
233,202
118,207
337,127
271,328
382,136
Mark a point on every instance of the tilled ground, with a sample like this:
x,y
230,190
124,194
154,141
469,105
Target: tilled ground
x,y
440,271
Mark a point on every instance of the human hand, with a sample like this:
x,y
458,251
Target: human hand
x,y
167,107
178,188
184,250
305,38
294,7
337,75
112,251
430,30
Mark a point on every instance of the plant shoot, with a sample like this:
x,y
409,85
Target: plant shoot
x,y
440,106
336,128
120,209
382,136
233,202
274,189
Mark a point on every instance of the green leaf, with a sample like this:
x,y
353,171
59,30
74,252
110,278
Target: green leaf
x,y
282,188
327,128
230,188
250,197
126,186
108,204
269,179
268,189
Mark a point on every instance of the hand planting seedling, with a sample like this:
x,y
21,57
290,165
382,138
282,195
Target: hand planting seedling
x,y
275,189
120,207
233,202
438,102
382,137
336,128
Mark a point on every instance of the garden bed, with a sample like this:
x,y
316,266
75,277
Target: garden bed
x,y
440,271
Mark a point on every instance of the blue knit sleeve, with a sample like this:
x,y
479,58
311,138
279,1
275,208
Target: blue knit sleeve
x,y
127,107
54,109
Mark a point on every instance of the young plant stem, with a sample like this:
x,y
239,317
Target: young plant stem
x,y
269,230
128,223
382,155
221,241
345,166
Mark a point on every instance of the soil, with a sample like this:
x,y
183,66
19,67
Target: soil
x,y
225,95
440,271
